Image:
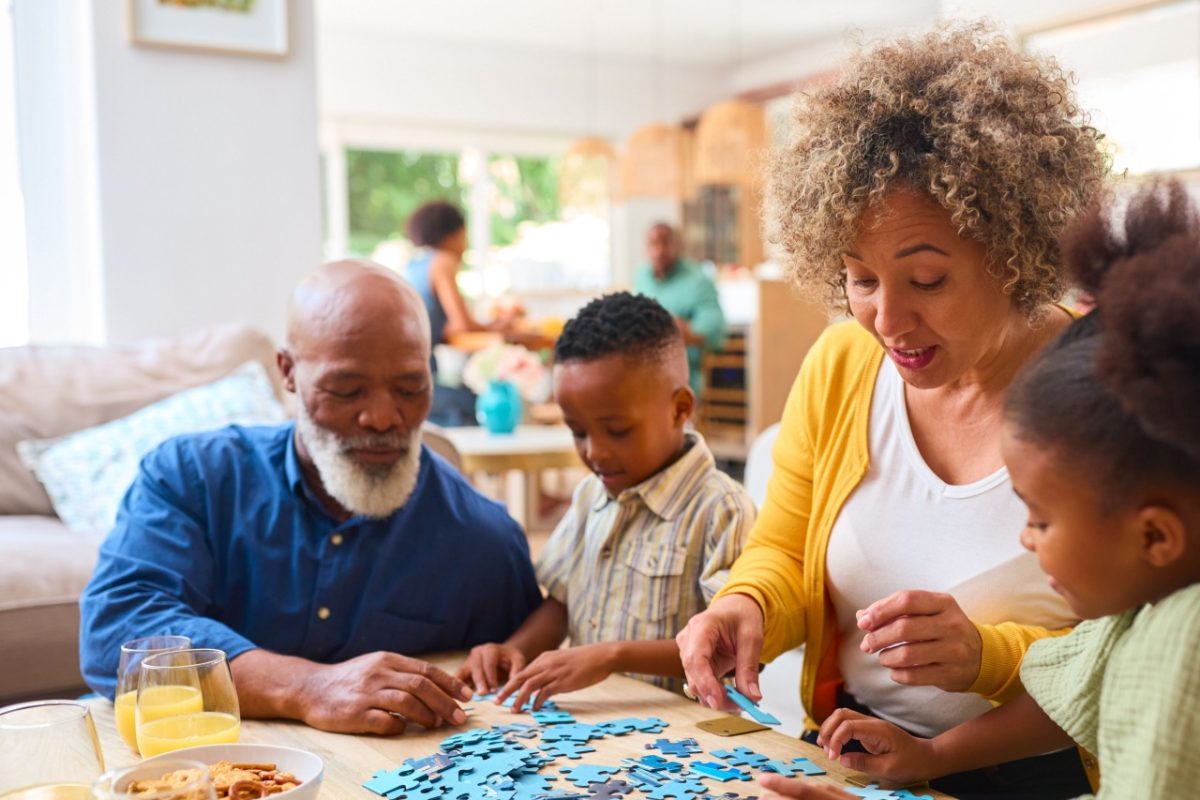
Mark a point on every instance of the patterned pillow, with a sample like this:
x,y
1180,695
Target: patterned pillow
x,y
87,472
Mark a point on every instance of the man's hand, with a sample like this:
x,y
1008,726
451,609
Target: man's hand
x,y
924,639
488,664
891,753
557,671
727,636
380,693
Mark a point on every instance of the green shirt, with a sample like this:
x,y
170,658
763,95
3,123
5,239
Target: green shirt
x,y
690,295
1127,688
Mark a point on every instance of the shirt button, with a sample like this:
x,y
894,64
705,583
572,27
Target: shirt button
x,y
323,613
336,540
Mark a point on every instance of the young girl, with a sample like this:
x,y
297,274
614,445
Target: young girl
x,y
1102,441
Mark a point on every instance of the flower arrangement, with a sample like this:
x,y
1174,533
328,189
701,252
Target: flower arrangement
x,y
508,362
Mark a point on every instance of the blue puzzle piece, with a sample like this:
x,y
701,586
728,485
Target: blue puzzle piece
x,y
620,727
587,774
563,794
512,698
403,782
522,730
573,731
790,768
750,707
718,771
659,764
680,790
430,765
553,717
726,796
905,794
681,748
645,778
568,749
529,784
741,757
872,792
473,736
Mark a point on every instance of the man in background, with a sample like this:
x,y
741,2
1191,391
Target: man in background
x,y
686,292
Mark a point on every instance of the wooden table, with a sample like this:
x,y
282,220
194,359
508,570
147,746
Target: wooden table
x,y
529,450
350,760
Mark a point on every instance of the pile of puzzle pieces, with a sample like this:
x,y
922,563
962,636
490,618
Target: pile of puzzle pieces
x,y
494,764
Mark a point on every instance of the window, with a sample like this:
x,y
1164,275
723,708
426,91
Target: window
x,y
1138,74
523,241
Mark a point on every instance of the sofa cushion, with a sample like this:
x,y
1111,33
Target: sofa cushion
x,y
50,391
43,561
86,473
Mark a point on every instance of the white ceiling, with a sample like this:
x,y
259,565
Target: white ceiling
x,y
700,32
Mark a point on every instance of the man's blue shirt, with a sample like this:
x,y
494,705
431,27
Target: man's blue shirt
x,y
219,538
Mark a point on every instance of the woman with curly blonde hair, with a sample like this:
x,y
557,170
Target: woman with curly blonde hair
x,y
925,193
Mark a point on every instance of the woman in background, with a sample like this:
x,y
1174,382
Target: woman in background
x,y
439,231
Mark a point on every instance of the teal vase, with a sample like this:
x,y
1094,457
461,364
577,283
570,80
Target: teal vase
x,y
499,408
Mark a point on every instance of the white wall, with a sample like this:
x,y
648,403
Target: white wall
x,y
166,190
385,79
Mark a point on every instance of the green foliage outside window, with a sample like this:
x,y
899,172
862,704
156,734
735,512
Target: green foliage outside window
x,y
386,187
526,190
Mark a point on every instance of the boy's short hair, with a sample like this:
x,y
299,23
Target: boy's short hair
x,y
618,324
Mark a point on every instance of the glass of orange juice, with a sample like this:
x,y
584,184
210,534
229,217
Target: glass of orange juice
x,y
190,780
48,751
133,653
185,698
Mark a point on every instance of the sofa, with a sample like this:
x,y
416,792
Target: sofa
x,y
51,391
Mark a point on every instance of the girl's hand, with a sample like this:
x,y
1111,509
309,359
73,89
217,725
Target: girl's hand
x,y
891,753
557,671
487,664
781,788
924,639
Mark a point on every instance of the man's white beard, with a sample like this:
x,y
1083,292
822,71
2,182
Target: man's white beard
x,y
370,491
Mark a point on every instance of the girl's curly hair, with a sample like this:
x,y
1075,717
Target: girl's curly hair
x,y
993,135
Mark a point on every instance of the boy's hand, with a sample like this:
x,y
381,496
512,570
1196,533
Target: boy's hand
x,y
891,753
487,664
781,788
557,671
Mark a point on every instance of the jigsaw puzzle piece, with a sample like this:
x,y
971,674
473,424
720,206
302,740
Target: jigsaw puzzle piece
x,y
790,768
620,727
658,763
573,731
905,794
680,790
719,771
553,717
750,707
586,774
568,749
871,792
609,790
681,748
741,757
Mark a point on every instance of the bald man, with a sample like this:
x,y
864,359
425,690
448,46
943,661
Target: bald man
x,y
319,555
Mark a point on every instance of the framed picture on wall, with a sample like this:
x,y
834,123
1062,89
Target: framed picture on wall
x,y
241,27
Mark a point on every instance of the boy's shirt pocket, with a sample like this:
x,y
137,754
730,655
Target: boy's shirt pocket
x,y
655,586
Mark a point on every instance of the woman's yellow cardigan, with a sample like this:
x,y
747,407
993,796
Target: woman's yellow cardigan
x,y
820,456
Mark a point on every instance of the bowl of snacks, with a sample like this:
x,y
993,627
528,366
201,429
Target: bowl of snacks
x,y
249,771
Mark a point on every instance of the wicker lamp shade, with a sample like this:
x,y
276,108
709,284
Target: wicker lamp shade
x,y
585,178
655,163
730,140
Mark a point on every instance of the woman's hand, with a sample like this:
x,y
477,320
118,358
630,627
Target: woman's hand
x,y
487,664
781,788
924,639
557,671
891,753
728,636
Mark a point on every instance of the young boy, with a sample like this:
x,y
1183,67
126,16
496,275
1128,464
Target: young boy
x,y
650,535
